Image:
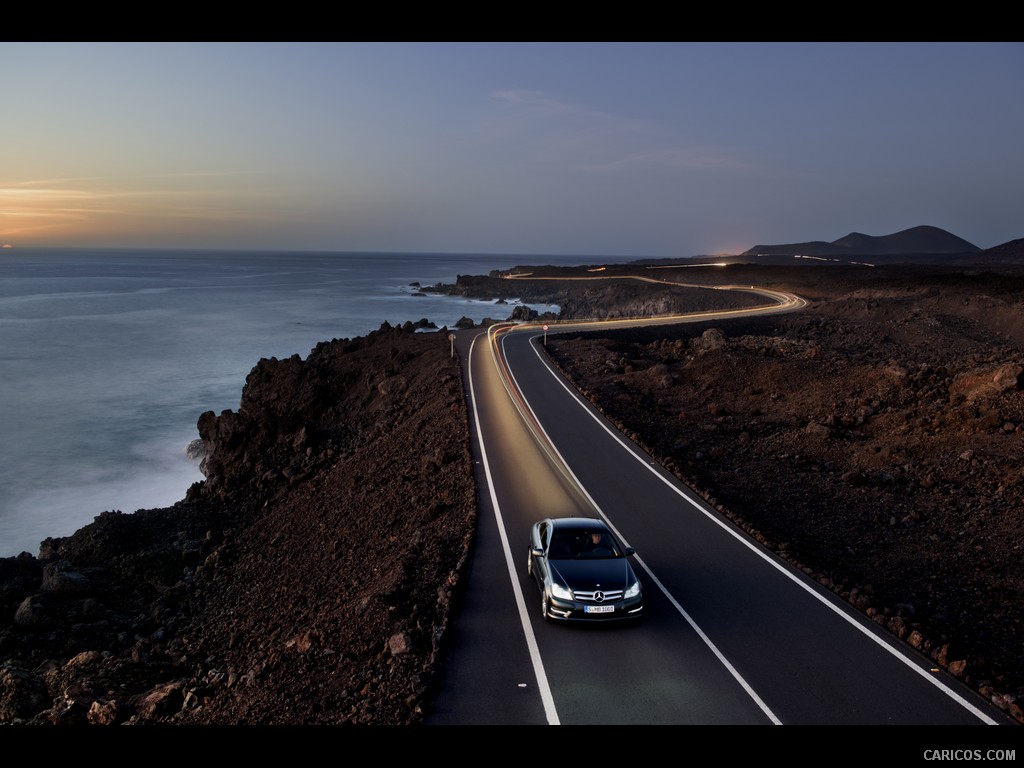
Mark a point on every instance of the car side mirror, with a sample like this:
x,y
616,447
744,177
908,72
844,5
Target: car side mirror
x,y
537,552
629,551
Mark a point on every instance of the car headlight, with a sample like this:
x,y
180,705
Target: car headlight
x,y
633,590
557,590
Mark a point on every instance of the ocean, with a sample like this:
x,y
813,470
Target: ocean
x,y
108,357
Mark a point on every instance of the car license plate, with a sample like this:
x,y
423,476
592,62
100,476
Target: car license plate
x,y
599,609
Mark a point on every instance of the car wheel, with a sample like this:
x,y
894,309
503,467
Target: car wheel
x,y
545,605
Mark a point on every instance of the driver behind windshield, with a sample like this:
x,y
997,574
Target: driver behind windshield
x,y
597,544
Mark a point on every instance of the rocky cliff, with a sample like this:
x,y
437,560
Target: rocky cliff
x,y
309,579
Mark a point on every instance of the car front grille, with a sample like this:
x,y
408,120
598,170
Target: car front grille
x,y
599,596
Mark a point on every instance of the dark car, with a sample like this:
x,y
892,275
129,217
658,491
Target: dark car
x,y
583,572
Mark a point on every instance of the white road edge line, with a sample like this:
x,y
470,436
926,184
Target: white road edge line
x,y
675,603
733,532
531,640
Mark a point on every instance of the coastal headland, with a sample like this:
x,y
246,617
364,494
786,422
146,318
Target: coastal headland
x,y
313,576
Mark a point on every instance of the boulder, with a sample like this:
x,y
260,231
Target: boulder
x,y
986,382
23,693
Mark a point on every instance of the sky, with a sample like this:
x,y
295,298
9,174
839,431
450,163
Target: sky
x,y
629,149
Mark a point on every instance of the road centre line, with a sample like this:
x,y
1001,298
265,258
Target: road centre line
x,y
675,603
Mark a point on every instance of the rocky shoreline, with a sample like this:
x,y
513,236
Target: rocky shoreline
x,y
311,577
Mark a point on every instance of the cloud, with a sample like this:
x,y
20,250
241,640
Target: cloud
x,y
678,157
537,126
58,207
538,103
198,174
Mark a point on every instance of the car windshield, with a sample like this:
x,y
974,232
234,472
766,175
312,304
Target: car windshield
x,y
569,545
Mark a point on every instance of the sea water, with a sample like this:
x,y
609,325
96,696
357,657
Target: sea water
x,y
107,359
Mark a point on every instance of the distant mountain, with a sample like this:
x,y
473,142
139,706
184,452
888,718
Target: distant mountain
x,y
918,245
1007,253
916,241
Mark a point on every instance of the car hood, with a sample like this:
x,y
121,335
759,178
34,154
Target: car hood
x,y
610,573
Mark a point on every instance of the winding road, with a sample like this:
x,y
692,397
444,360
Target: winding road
x,y
731,634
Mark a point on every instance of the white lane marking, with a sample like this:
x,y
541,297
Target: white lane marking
x,y
653,469
686,616
531,641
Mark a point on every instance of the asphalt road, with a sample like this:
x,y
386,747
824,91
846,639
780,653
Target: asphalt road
x,y
731,634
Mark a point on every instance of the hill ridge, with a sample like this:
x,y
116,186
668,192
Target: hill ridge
x,y
922,239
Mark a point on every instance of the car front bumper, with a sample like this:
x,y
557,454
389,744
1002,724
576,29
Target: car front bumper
x,y
575,610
